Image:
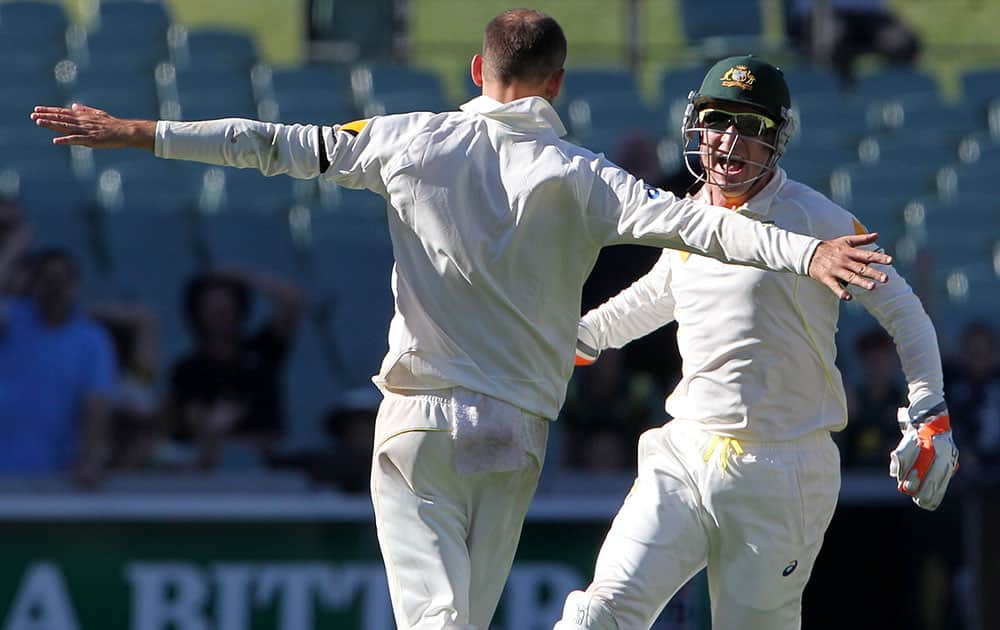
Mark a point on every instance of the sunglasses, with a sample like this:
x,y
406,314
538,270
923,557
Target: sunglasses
x,y
746,123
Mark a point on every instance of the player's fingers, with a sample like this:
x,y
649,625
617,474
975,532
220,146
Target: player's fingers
x,y
80,107
46,109
75,139
855,240
872,273
60,126
851,276
869,256
63,116
836,287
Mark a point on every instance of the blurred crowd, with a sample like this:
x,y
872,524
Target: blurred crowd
x,y
80,391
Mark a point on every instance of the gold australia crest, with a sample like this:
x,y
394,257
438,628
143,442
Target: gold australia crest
x,y
739,76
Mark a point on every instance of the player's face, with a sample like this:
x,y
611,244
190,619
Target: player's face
x,y
736,144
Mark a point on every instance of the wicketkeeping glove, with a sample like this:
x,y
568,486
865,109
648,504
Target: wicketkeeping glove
x,y
926,457
586,345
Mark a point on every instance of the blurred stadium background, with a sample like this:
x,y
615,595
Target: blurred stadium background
x,y
272,541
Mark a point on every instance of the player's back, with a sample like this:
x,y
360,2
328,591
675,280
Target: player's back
x,y
492,243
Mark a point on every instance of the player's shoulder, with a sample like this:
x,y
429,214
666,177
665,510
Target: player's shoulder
x,y
825,218
396,123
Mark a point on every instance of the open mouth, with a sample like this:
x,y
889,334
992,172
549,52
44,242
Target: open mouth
x,y
731,165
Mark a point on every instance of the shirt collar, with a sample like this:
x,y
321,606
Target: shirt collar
x,y
759,206
530,113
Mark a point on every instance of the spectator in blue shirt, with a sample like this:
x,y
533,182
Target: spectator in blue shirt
x,y
57,377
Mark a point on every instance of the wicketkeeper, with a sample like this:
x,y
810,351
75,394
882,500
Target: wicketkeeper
x,y
745,478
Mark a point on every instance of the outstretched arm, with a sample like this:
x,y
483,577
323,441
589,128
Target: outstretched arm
x,y
625,210
635,312
95,128
350,154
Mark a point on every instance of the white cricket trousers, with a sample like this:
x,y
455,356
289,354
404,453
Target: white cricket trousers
x,y
754,512
447,539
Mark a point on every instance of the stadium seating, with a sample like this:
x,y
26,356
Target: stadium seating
x,y
354,29
31,150
720,28
107,50
853,182
919,154
807,80
851,118
24,52
351,262
962,294
978,147
151,258
45,190
958,180
247,190
604,84
676,83
393,87
812,159
403,102
68,228
896,82
140,182
211,50
129,93
44,22
250,239
981,87
309,90
311,382
210,93
132,19
601,124
926,113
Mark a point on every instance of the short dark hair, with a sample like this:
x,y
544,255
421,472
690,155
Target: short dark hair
x,y
55,254
523,44
205,282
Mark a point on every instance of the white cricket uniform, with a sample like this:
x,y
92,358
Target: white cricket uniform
x,y
745,478
495,224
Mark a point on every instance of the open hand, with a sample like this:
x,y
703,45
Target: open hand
x,y
94,128
841,261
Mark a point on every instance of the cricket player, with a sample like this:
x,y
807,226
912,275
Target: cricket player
x,y
745,478
495,223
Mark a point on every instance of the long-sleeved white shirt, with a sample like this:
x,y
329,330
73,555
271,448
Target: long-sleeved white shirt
x,y
758,348
495,224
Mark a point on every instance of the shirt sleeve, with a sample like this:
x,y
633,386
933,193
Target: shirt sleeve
x,y
352,154
897,309
640,309
625,210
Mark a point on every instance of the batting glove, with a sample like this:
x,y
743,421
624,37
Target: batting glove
x,y
586,345
926,458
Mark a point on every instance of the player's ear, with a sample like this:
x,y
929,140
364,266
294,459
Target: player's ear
x,y
554,84
476,69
